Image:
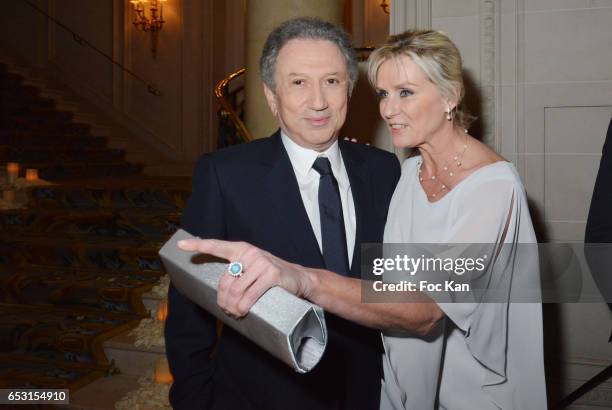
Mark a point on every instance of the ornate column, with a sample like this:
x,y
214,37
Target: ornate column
x,y
410,14
262,17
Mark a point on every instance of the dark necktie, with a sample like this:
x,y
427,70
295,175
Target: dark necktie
x,y
333,236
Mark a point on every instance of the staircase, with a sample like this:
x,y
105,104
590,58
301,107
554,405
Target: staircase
x,y
79,260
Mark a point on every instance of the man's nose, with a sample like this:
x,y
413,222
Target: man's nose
x,y
319,99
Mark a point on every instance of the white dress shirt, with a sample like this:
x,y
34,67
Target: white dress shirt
x,y
302,160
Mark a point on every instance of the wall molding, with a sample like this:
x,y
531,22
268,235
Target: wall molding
x,y
180,144
586,368
51,33
519,89
489,70
118,80
410,14
128,104
208,103
127,82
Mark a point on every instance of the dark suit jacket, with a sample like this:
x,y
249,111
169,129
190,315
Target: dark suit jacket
x,y
599,223
250,193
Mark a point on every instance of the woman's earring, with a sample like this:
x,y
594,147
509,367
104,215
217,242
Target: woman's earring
x,y
448,115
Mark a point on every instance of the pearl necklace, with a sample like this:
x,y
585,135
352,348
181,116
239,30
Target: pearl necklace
x,y
457,160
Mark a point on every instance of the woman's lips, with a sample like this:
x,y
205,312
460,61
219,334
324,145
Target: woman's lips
x,y
396,128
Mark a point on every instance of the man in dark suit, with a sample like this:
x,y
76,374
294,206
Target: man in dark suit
x,y
272,193
599,223
597,250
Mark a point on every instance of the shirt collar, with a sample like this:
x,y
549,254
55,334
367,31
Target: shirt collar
x,y
302,158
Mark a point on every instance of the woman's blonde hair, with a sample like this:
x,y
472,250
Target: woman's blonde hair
x,y
436,55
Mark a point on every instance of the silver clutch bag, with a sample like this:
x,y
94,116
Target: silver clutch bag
x,y
289,328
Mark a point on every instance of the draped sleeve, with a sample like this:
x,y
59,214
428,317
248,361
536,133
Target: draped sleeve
x,y
488,353
494,215
486,216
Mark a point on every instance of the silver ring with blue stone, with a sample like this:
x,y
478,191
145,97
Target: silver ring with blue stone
x,y
235,269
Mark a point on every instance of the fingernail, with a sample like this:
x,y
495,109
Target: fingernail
x,y
181,242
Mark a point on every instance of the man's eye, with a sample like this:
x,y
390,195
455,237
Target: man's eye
x,y
381,94
333,81
298,82
405,93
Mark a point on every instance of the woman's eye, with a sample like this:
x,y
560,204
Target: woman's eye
x,y
381,94
405,93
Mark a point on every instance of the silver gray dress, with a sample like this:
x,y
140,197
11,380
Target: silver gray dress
x,y
483,355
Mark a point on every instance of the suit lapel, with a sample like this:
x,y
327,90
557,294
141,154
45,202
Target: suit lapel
x,y
290,218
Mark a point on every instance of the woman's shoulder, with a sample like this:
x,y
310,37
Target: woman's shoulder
x,y
494,183
488,165
501,171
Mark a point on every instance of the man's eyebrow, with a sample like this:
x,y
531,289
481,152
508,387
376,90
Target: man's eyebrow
x,y
305,75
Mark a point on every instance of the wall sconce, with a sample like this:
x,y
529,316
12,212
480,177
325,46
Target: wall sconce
x,y
385,6
149,17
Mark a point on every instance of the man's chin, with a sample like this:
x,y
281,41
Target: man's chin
x,y
320,136
324,142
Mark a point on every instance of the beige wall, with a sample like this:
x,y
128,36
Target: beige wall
x,y
181,122
25,30
202,41
262,17
540,74
370,27
369,23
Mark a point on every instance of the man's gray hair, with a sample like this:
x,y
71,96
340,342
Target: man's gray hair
x,y
306,28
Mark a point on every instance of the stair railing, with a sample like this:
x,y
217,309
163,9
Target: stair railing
x,y
228,110
83,42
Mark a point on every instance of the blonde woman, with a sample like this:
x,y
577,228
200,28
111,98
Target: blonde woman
x,y
455,190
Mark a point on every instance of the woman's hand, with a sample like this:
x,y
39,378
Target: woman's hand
x,y
261,271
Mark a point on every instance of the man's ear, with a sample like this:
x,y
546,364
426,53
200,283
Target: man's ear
x,y
271,98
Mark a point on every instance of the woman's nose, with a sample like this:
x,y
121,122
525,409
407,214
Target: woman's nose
x,y
388,108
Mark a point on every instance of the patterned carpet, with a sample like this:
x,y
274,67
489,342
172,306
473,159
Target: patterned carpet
x,y
76,259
